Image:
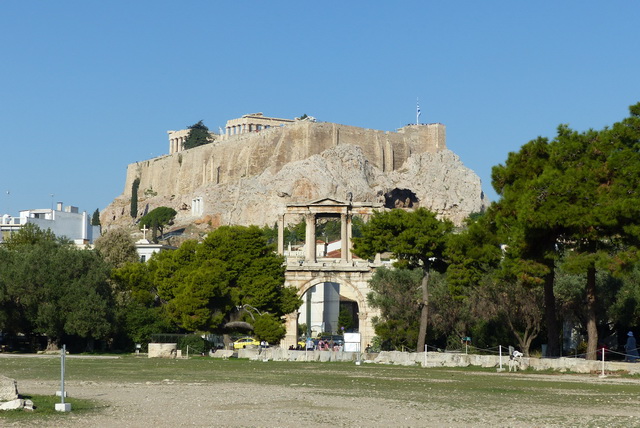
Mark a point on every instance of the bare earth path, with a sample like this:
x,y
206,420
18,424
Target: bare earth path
x,y
206,404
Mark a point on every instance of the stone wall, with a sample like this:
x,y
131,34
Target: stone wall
x,y
249,178
437,359
250,154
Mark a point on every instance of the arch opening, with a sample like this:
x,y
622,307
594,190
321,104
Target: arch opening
x,y
328,308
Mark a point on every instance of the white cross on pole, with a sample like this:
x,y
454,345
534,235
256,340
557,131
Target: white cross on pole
x,y
144,232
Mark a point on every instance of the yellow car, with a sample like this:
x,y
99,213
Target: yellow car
x,y
243,342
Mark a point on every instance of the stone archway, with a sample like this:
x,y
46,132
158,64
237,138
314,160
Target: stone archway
x,y
304,269
346,290
357,283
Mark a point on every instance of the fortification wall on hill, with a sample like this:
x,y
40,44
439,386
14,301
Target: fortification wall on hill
x,y
251,154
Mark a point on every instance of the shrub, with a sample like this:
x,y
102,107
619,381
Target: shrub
x,y
195,343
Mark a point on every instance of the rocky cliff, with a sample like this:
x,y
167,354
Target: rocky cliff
x,y
250,180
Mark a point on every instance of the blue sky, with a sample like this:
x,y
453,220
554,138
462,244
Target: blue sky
x,y
89,87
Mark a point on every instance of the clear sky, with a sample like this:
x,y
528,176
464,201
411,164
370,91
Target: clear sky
x,y
87,87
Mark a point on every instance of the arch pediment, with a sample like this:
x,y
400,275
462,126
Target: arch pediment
x,y
328,202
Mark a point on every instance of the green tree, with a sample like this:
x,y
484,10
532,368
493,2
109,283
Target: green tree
x,y
580,193
95,218
295,234
345,320
592,184
396,292
140,311
271,234
625,308
515,183
117,247
515,302
157,219
30,235
52,288
198,136
268,327
417,238
200,286
570,290
472,253
18,297
134,197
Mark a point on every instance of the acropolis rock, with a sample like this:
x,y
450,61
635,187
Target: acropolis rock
x,y
249,173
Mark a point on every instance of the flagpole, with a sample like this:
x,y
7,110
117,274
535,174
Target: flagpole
x,y
417,112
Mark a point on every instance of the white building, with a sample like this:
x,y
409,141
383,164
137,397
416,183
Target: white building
x,y
146,249
68,223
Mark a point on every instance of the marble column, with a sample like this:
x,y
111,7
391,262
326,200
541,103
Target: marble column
x,y
310,238
349,238
281,234
344,238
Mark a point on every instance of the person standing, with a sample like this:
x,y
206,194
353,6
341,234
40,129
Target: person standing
x,y
631,348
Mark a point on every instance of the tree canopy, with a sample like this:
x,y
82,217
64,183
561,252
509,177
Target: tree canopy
x,y
417,238
117,247
198,136
157,219
50,287
95,218
578,192
396,292
201,286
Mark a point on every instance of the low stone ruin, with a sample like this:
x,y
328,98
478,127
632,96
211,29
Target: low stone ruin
x,y
9,397
163,350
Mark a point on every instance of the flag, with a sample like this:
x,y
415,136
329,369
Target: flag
x,y
418,109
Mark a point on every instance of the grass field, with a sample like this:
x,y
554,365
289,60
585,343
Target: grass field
x,y
463,390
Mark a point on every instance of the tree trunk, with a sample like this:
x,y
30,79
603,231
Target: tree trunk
x,y
525,339
90,345
553,336
592,330
424,314
52,345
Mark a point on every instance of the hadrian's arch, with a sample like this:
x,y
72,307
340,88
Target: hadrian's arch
x,y
327,280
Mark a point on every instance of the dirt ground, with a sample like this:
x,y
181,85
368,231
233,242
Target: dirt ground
x,y
182,404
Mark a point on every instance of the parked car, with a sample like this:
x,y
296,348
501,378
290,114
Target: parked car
x,y
243,342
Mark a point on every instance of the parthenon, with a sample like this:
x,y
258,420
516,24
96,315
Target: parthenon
x,y
252,123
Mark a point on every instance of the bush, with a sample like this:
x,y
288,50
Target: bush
x,y
195,343
268,327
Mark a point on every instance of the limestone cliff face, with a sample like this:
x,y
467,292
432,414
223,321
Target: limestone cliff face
x,y
250,179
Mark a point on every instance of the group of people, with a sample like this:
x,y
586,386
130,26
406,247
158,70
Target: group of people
x,y
328,345
323,345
